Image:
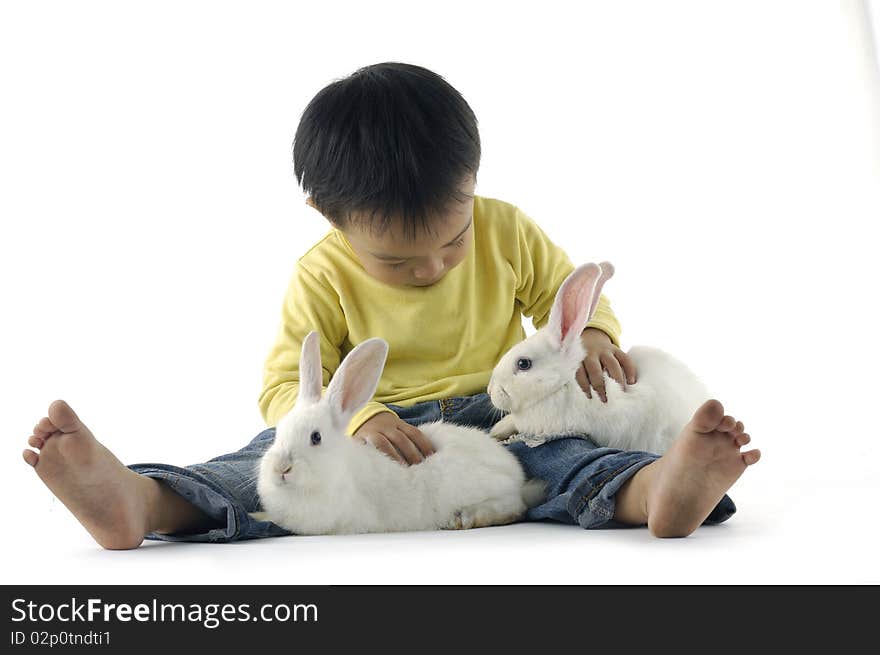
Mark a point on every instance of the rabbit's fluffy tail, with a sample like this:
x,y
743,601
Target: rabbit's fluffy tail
x,y
534,492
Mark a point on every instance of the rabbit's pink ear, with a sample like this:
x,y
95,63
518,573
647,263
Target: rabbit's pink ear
x,y
574,304
310,374
607,271
354,382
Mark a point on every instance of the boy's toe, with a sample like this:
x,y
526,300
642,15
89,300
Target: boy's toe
x,y
63,417
44,427
727,424
708,416
30,457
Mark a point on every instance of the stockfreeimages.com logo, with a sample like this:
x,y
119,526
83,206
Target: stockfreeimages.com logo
x,y
209,615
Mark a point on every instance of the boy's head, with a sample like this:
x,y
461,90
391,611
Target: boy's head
x,y
389,155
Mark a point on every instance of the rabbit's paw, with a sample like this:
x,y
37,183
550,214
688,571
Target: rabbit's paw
x,y
461,520
504,428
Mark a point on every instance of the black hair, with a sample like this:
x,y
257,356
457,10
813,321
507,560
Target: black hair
x,y
390,140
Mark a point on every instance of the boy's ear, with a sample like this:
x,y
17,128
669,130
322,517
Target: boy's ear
x,y
311,203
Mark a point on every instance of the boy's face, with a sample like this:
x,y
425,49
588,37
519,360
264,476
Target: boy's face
x,y
419,262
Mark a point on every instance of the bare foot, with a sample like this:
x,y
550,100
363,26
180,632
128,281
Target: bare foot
x,y
696,471
111,501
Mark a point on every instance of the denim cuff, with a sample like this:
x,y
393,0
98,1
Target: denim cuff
x,y
210,498
592,504
199,491
722,511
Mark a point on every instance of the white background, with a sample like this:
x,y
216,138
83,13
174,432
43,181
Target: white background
x,y
725,157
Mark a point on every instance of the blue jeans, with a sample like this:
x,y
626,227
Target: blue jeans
x,y
581,477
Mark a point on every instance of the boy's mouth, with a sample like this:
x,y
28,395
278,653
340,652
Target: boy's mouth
x,y
427,284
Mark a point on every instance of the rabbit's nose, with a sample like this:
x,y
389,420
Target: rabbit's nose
x,y
283,468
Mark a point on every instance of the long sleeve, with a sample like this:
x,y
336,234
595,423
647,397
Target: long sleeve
x,y
605,320
541,267
308,305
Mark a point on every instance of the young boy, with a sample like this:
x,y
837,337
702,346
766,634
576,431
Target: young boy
x,y
389,156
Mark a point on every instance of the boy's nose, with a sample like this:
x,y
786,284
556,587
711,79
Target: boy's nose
x,y
428,272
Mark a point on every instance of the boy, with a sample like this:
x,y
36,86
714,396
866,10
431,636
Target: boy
x,y
389,156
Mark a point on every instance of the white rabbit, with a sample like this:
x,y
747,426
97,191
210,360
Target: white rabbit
x,y
535,382
316,480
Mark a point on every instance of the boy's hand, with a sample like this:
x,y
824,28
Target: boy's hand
x,y
396,438
603,354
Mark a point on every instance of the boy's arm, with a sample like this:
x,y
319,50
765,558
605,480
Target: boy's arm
x,y
308,305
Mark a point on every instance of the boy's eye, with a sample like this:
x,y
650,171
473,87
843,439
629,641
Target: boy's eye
x,y
455,244
524,363
316,438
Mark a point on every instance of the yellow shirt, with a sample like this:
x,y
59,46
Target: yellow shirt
x,y
444,339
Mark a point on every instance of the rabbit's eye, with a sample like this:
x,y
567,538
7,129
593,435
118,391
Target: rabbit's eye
x,y
524,363
316,438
